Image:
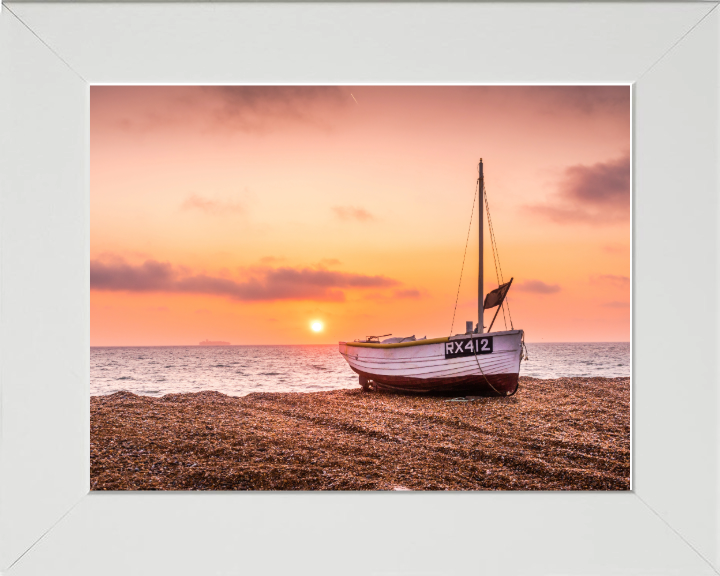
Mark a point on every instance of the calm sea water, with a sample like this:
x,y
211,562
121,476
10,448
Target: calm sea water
x,y
240,370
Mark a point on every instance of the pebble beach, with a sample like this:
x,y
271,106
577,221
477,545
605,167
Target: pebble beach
x,y
554,434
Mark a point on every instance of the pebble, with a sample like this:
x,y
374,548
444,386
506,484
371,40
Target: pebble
x,y
561,434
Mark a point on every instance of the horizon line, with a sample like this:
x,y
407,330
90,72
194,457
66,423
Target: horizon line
x,y
321,344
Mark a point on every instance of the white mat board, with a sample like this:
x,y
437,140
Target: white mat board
x,y
50,53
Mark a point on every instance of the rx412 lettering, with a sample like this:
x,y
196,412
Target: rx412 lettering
x,y
468,347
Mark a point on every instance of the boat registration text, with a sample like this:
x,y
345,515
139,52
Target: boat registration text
x,y
468,347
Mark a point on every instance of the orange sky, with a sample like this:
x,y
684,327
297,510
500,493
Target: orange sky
x,y
244,213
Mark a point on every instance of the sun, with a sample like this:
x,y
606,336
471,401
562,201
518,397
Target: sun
x,y
316,326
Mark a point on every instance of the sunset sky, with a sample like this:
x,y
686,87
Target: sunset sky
x,y
245,214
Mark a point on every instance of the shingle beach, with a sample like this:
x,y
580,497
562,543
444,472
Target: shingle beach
x,y
562,434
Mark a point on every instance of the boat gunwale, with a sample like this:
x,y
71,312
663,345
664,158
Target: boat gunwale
x,y
397,344
427,341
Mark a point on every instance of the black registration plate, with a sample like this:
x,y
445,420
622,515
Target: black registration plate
x,y
468,347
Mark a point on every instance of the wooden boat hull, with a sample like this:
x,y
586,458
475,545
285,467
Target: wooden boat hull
x,y
425,366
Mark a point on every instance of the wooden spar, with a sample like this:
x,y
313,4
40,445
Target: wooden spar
x,y
496,313
499,305
480,268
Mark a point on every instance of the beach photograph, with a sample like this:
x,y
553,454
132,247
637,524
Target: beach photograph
x,y
386,288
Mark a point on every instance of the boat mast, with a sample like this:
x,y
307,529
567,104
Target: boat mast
x,y
481,196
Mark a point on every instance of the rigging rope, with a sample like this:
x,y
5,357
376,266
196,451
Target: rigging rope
x,y
498,274
464,254
496,257
496,254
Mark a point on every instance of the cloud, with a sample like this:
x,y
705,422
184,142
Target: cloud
x,y
612,279
276,99
409,293
265,284
402,294
615,249
120,254
272,259
217,108
595,194
585,100
116,274
536,287
209,206
259,108
603,103
329,278
330,262
615,304
375,296
353,213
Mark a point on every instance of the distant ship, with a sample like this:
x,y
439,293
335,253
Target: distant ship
x,y
214,343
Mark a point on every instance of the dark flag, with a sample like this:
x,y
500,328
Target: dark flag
x,y
496,297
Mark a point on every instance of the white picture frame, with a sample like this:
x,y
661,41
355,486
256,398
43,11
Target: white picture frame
x,y
50,53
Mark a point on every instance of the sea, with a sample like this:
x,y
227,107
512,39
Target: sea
x,y
241,370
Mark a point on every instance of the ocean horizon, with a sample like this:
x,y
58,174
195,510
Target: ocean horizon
x,y
313,344
241,369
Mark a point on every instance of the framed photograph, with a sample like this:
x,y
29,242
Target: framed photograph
x,y
52,57
327,239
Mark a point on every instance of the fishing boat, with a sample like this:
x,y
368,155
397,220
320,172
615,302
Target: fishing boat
x,y
474,362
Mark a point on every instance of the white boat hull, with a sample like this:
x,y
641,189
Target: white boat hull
x,y
429,366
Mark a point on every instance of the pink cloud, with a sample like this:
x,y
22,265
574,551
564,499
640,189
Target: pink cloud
x,y
271,259
353,213
408,293
612,279
597,194
209,206
536,287
329,262
581,99
256,109
615,304
282,283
